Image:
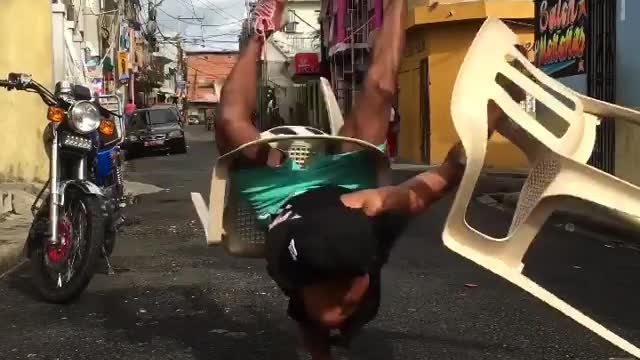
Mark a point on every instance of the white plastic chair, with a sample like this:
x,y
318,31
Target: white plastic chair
x,y
558,166
230,221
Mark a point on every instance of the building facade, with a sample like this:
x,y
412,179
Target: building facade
x,y
348,28
438,37
611,73
627,87
55,40
206,74
26,47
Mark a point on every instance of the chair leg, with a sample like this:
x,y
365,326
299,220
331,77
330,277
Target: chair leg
x,y
558,304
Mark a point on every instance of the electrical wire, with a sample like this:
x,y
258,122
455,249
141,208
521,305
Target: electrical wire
x,y
177,18
217,9
227,24
186,6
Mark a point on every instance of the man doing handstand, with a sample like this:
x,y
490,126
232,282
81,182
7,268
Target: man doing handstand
x,y
329,227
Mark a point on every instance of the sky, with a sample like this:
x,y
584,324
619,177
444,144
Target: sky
x,y
219,28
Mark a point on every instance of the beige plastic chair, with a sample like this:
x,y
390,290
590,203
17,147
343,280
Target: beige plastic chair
x,y
229,221
558,163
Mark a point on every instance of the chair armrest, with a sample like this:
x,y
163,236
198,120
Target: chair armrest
x,y
608,110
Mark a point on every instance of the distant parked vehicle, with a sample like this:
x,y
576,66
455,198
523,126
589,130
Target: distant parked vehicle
x,y
193,120
156,129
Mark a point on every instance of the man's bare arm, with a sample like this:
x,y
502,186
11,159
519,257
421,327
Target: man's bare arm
x,y
418,193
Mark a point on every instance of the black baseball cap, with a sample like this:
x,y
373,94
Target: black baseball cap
x,y
317,238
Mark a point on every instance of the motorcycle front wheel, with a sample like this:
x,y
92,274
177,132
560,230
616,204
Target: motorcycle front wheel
x,y
61,272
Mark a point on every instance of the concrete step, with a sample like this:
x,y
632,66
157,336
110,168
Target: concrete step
x,y
14,230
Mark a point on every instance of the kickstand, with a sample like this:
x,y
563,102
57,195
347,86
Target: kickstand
x,y
110,270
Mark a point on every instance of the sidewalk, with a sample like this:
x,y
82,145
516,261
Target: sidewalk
x,y
15,221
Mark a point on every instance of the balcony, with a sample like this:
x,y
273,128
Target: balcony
x,y
303,42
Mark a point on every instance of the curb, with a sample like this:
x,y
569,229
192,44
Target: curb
x,y
14,231
15,222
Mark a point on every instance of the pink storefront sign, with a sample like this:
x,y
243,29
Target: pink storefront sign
x,y
307,64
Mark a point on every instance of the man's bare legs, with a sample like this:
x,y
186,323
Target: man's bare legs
x,y
238,100
369,120
234,127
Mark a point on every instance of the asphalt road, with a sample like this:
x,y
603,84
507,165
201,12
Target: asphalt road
x,y
174,298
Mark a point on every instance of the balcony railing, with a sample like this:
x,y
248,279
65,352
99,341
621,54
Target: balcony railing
x,y
303,42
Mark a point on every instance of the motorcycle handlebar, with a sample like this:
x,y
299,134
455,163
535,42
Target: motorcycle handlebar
x,y
33,86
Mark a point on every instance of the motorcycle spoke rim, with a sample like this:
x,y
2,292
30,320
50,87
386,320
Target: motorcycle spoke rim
x,y
79,226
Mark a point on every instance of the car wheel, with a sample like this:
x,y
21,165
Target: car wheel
x,y
130,155
181,148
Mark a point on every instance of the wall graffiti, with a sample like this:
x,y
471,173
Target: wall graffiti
x,y
561,36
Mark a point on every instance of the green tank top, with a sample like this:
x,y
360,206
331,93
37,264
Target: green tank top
x,y
267,189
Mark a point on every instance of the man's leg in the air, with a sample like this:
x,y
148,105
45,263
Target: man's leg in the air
x,y
369,119
234,126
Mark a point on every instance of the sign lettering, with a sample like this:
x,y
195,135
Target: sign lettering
x,y
561,37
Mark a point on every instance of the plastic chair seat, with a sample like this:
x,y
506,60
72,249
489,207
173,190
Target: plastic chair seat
x,y
230,221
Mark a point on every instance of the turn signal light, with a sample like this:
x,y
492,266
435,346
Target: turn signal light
x,y
55,114
106,127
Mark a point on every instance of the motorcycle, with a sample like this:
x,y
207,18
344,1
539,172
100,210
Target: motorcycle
x,y
75,222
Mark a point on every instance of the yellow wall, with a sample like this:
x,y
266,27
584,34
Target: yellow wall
x,y
25,45
445,46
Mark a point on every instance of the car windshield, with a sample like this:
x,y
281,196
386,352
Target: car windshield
x,y
164,116
136,121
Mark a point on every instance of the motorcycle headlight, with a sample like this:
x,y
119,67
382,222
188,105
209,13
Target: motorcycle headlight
x,y
84,117
175,134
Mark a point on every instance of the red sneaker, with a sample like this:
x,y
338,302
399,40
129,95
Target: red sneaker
x,y
268,16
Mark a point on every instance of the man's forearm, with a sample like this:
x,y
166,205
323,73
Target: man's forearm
x,y
417,193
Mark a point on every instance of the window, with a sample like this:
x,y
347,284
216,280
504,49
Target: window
x,y
292,25
164,116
